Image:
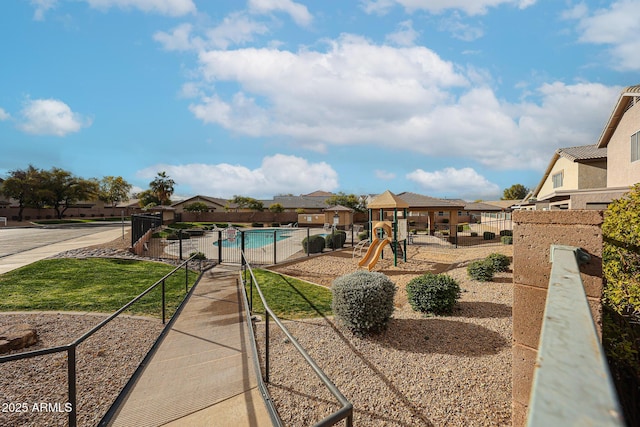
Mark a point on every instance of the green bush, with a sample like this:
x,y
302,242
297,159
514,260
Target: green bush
x,y
506,233
313,244
433,293
335,240
488,235
363,235
175,236
621,253
507,240
474,234
363,301
500,262
198,255
481,270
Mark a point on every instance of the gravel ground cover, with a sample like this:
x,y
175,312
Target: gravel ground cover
x,y
423,371
34,391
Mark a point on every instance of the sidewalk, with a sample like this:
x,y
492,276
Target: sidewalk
x,y
203,373
11,262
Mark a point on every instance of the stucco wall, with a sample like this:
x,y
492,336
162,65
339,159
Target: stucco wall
x,y
569,182
592,175
533,234
621,171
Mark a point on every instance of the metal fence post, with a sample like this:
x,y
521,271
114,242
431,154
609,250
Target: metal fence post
x,y
163,304
266,347
71,378
219,247
308,235
275,240
180,240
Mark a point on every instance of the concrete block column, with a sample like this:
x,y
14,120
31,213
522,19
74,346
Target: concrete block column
x,y
533,234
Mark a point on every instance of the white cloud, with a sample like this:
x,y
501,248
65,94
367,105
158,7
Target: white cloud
x,y
4,115
384,175
42,7
617,26
405,36
278,174
474,7
459,29
50,117
356,92
163,7
298,12
464,182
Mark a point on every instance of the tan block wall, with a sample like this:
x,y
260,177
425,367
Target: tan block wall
x,y
533,234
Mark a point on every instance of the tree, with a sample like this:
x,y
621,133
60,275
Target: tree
x,y
515,192
162,187
248,203
147,199
276,208
114,190
357,203
61,189
22,185
197,207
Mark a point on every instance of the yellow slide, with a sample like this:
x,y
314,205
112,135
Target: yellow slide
x,y
373,253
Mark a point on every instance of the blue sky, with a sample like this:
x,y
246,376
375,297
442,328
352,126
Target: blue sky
x,y
449,98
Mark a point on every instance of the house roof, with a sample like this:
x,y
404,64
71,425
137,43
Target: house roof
x,y
338,208
319,193
489,206
580,154
295,202
415,200
629,96
387,200
213,200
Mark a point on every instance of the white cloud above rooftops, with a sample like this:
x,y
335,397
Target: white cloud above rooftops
x,y
356,92
465,182
4,115
473,7
162,7
298,12
278,174
50,117
616,26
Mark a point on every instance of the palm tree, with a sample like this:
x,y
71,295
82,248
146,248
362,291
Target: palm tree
x,y
162,187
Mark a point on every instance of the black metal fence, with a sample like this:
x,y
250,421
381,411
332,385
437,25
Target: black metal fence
x,y
71,348
141,223
262,246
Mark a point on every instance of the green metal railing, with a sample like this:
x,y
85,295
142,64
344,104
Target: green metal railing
x,y
572,385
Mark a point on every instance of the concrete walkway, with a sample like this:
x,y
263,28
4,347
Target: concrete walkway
x,y
202,373
42,243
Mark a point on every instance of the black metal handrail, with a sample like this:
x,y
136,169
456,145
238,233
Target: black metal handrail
x,y
71,347
346,411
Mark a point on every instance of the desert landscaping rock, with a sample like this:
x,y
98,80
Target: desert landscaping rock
x,y
16,337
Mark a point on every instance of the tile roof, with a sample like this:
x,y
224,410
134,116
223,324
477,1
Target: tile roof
x,y
387,200
583,152
419,201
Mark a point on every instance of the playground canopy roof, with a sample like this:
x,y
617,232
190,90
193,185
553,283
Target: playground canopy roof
x,y
387,200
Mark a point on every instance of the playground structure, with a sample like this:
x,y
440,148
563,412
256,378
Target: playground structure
x,y
386,233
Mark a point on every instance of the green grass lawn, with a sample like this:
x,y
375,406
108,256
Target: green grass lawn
x,y
291,298
94,284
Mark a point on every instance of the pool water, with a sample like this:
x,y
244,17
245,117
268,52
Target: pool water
x,y
255,238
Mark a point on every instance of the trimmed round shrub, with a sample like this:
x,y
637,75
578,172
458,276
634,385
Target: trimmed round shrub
x,y
335,240
313,244
363,301
363,235
506,233
500,262
482,270
507,240
433,293
474,234
488,235
197,255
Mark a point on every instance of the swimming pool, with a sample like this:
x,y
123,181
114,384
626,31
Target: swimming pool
x,y
254,239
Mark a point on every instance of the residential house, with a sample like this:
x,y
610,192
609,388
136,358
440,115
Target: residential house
x,y
214,204
591,176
